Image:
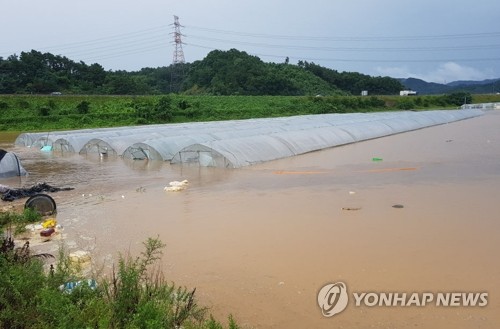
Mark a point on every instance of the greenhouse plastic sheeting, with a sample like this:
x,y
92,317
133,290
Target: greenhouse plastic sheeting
x,y
48,138
75,139
234,153
163,148
70,144
27,139
239,152
236,143
114,145
304,141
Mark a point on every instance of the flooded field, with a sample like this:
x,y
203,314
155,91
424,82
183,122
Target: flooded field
x,y
261,242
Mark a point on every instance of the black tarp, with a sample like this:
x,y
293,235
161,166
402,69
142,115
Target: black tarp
x,y
13,194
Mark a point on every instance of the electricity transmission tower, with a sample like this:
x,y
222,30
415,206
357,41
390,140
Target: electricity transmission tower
x,y
177,67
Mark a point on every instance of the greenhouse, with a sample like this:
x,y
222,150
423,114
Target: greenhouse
x,y
239,152
163,148
27,139
238,143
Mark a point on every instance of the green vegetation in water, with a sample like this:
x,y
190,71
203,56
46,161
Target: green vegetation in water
x,y
15,222
66,112
136,296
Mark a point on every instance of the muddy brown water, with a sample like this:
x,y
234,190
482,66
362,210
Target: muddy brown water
x,y
260,242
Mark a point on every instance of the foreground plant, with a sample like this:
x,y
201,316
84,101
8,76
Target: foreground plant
x,y
136,296
139,294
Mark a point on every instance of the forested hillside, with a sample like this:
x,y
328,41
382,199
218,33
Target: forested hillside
x,y
229,72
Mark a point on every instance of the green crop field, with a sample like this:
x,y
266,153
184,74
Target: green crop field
x,y
44,112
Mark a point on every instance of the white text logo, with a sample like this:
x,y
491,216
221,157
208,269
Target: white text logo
x,y
332,298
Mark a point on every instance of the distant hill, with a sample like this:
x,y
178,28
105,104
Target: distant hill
x,y
471,83
431,88
424,87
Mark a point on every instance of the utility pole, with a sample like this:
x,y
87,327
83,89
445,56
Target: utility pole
x,y
177,67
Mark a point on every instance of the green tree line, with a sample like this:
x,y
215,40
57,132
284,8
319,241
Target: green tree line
x,y
231,72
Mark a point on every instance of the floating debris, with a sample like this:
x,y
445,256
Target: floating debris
x,y
47,232
351,208
176,186
68,287
49,223
79,257
177,183
42,203
398,206
14,194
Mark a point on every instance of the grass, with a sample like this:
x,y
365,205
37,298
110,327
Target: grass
x,y
135,296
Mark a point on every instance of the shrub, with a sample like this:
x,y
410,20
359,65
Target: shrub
x,y
51,104
163,110
406,103
83,107
44,111
23,104
376,102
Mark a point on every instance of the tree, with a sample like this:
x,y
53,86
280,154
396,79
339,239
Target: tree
x,y
459,98
231,72
354,82
163,109
120,83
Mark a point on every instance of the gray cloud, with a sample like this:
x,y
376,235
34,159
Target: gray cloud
x,y
433,40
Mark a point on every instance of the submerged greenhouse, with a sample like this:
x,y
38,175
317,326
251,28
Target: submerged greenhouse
x,y
238,143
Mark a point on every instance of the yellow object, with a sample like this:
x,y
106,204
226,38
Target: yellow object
x,y
51,222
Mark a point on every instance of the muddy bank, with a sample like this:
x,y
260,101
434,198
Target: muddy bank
x,y
260,242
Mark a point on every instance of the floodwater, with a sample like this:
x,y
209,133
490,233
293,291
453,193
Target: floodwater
x,y
260,242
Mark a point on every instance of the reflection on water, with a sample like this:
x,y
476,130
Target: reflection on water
x,y
260,242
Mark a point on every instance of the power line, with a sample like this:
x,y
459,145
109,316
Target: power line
x,y
371,60
153,39
106,41
353,38
351,49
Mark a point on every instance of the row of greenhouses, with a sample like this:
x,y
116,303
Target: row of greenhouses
x,y
238,143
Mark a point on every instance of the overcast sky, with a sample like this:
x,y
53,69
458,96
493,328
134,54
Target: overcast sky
x,y
435,40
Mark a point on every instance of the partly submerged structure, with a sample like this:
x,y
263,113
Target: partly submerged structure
x,y
244,151
238,143
10,166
